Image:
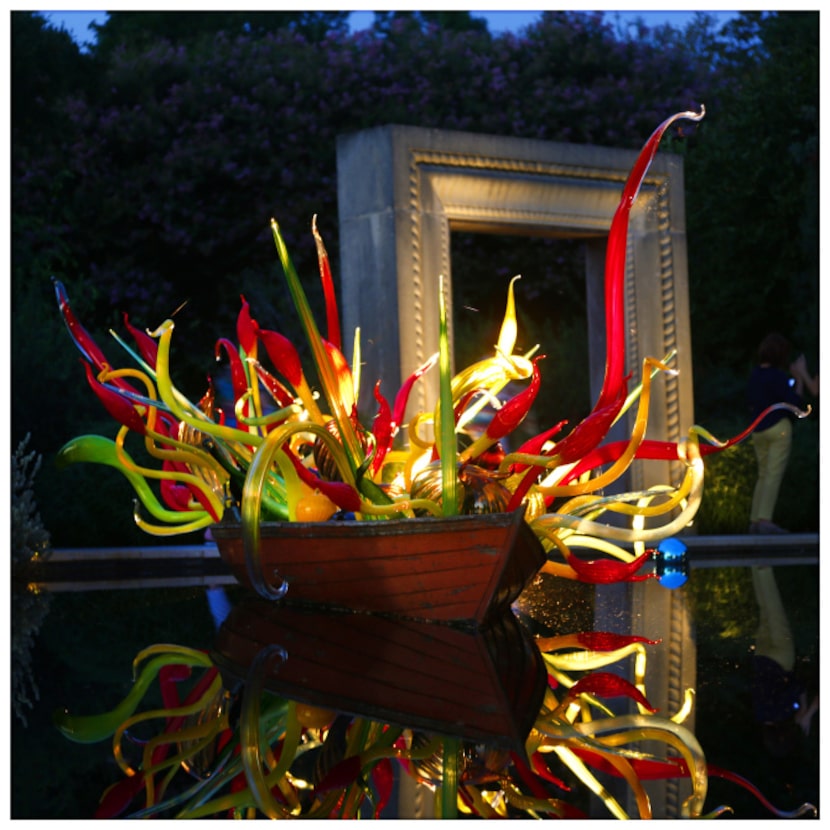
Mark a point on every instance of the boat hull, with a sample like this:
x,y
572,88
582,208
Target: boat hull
x,y
455,569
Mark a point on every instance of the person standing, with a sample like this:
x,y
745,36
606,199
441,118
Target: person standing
x,y
770,383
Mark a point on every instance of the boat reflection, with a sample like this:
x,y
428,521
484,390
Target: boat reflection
x,y
484,684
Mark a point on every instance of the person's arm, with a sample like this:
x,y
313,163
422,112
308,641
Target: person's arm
x,y
803,378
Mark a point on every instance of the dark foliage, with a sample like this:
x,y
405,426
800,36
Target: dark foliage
x,y
46,66
752,192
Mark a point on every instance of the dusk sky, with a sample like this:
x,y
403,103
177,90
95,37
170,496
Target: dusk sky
x,y
77,22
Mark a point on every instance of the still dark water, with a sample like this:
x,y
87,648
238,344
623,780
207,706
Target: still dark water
x,y
83,662
84,652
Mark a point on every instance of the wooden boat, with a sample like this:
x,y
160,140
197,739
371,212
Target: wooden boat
x,y
460,569
483,684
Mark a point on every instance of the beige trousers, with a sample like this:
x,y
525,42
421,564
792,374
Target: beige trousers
x,y
772,449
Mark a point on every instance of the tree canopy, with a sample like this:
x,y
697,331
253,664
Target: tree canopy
x,y
128,30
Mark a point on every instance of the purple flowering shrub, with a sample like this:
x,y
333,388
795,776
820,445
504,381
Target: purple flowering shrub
x,y
179,163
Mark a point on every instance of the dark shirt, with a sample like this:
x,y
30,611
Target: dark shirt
x,y
767,386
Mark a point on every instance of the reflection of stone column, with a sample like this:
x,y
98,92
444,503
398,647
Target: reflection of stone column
x,y
672,668
646,609
414,800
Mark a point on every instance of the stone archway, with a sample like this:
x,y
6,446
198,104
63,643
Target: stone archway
x,y
402,190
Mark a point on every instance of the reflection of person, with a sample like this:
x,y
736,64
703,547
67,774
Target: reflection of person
x,y
770,383
778,699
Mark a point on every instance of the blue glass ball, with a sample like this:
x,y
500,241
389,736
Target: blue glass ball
x,y
672,563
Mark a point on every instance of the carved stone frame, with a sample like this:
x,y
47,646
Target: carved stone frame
x,y
402,190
